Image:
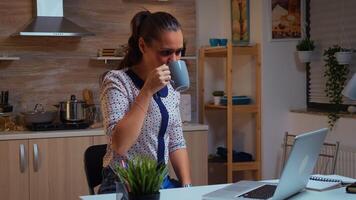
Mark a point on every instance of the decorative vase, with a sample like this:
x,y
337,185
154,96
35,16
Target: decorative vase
x,y
343,58
305,56
154,196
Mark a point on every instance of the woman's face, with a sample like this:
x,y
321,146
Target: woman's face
x,y
165,50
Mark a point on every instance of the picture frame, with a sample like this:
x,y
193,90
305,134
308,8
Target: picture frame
x,y
240,22
286,20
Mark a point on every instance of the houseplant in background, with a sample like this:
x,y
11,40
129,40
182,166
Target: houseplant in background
x,y
217,96
305,48
143,177
336,76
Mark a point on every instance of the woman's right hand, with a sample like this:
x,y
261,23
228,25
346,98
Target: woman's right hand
x,y
157,79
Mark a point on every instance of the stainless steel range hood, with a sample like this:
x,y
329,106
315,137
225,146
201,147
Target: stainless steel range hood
x,y
50,22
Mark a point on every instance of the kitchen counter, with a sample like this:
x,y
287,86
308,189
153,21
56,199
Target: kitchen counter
x,y
20,135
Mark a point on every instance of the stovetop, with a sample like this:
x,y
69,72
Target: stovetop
x,y
57,126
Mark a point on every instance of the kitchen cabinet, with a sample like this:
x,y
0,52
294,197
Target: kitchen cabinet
x,y
14,173
58,171
50,168
197,147
100,140
49,165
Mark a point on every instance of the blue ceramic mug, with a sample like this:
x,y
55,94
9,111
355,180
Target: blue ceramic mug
x,y
179,75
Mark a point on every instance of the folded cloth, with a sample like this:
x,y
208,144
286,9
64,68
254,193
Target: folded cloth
x,y
236,156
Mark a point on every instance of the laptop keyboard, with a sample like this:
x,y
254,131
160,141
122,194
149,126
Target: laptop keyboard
x,y
263,192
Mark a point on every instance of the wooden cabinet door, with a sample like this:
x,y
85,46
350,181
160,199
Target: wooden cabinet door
x,y
197,147
100,139
14,170
57,168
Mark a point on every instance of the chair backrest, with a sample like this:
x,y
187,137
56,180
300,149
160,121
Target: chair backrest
x,y
93,165
326,163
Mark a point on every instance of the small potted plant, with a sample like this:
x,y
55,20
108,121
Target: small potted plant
x,y
344,56
217,96
143,177
305,48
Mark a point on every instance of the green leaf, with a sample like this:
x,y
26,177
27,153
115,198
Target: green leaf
x,y
143,175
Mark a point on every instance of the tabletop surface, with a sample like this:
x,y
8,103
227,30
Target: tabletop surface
x,y
196,193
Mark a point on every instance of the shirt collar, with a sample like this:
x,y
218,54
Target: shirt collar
x,y
139,83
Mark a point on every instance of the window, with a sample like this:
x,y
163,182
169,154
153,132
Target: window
x,y
329,22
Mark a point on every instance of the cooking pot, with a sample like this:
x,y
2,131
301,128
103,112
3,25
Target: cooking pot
x,y
39,115
72,110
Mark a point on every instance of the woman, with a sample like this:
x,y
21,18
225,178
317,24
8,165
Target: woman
x,y
140,107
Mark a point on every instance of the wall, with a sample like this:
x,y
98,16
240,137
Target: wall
x,y
283,88
50,69
343,131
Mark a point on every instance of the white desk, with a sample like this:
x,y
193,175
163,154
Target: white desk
x,y
195,193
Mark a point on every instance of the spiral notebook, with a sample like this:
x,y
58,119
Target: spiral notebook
x,y
324,182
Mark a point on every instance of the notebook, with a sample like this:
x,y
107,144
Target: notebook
x,y
324,182
333,178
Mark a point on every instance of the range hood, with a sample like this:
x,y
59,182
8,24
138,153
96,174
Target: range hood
x,y
50,22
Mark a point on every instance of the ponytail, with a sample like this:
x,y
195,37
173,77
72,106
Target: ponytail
x,y
149,26
134,55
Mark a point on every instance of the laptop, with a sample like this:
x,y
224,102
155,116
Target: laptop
x,y
295,176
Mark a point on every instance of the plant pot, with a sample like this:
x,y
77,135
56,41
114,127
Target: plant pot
x,y
305,56
217,100
343,58
145,197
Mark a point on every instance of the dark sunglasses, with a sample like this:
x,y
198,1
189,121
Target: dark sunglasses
x,y
168,52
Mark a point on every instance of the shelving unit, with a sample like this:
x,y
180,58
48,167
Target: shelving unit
x,y
112,58
253,109
9,58
107,58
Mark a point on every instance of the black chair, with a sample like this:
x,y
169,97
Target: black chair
x,y
93,165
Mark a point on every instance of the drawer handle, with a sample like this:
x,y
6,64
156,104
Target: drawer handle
x,y
35,156
22,158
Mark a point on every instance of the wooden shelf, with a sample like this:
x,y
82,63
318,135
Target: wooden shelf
x,y
108,58
9,58
113,58
222,51
215,51
241,166
188,58
236,108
